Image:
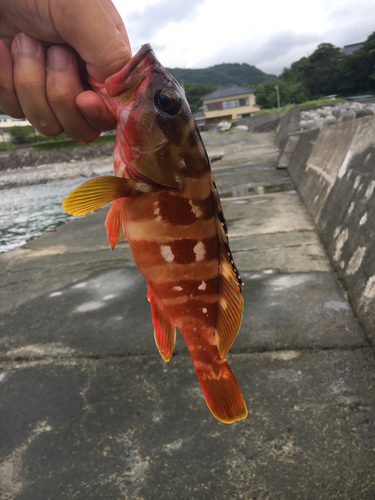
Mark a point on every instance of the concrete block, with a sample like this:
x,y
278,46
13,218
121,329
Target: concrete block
x,y
288,123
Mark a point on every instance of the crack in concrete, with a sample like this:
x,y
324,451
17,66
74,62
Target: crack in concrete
x,y
26,360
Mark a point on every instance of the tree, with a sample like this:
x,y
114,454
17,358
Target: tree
x,y
358,69
22,135
194,91
321,74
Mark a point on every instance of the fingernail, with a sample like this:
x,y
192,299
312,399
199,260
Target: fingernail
x,y
58,58
25,44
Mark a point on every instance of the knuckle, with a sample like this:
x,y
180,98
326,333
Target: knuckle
x,y
60,97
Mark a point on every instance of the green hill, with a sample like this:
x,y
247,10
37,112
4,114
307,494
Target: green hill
x,y
222,75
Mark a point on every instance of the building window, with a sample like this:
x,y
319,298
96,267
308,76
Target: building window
x,y
233,103
236,103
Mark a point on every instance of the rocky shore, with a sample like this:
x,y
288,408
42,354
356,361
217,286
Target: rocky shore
x,y
27,157
340,112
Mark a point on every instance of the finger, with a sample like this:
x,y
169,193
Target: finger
x,y
95,111
8,98
29,82
106,48
63,85
117,20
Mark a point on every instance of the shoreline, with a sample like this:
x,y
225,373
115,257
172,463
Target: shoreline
x,y
42,174
217,147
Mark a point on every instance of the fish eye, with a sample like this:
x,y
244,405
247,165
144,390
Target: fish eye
x,y
167,101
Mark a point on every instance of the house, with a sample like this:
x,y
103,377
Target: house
x,y
227,103
347,50
7,122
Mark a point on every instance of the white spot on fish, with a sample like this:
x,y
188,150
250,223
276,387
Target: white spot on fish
x,y
178,288
89,306
200,251
167,253
55,294
156,208
204,310
363,220
196,210
124,115
202,286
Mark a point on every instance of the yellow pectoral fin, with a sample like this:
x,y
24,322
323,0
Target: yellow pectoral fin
x,y
100,191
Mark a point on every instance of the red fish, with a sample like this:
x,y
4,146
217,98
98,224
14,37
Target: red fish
x,y
165,200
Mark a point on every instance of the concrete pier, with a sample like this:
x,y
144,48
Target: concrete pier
x,y
89,410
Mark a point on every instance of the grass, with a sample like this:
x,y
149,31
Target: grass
x,y
69,143
8,145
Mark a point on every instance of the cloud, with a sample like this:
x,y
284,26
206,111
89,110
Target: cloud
x,y
282,43
351,23
271,54
145,24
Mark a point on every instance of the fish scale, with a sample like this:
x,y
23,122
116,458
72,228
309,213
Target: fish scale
x,y
166,203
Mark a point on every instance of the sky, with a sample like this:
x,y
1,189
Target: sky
x,y
268,34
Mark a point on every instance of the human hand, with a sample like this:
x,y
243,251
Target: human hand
x,y
46,47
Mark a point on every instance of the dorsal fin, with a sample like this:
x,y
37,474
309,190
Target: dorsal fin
x,y
230,302
224,231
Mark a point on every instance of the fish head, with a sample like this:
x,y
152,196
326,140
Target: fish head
x,y
154,119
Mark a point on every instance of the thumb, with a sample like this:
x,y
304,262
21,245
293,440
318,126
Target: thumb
x,y
97,33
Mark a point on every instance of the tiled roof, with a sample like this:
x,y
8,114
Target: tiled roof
x,y
227,92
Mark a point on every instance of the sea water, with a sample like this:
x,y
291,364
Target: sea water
x,y
29,211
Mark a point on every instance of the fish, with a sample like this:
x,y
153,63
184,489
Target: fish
x,y
165,201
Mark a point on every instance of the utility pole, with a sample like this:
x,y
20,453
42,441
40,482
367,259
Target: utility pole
x,y
278,99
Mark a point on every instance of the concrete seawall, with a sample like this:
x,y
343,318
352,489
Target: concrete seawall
x,y
334,172
258,121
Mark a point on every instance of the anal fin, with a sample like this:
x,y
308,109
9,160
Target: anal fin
x,y
164,329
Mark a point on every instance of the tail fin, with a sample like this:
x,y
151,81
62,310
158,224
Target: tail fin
x,y
220,389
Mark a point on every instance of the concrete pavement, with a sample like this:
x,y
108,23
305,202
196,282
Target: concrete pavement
x,y
89,410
